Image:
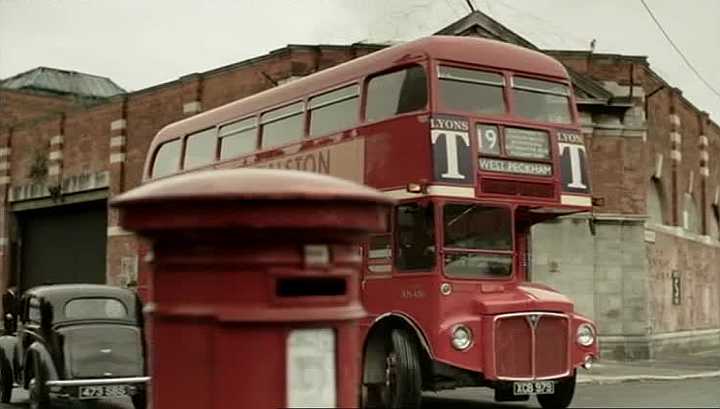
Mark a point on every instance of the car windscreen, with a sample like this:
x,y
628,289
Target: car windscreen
x,y
95,308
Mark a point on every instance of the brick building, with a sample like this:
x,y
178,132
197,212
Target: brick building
x,y
644,264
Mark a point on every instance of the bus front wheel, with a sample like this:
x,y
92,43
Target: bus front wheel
x,y
564,391
402,382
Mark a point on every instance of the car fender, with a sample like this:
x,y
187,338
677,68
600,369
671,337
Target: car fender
x,y
39,351
7,349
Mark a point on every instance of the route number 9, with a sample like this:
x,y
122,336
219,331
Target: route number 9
x,y
488,139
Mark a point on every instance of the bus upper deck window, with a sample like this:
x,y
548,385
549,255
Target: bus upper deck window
x,y
200,148
396,93
282,126
334,110
473,91
238,138
167,159
543,101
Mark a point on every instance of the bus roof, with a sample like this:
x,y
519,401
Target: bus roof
x,y
473,50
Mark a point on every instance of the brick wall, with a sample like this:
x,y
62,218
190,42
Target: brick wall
x,y
21,106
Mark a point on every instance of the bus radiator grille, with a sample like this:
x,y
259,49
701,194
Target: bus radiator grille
x,y
527,350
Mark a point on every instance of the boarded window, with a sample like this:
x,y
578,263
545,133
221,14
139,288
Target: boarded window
x,y
200,148
655,203
238,138
473,91
334,111
167,159
282,126
396,93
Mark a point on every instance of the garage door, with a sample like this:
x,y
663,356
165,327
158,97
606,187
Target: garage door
x,y
63,244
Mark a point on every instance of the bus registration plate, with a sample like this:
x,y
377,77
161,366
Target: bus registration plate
x,y
534,388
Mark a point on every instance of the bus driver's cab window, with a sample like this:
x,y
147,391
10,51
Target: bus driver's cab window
x,y
415,229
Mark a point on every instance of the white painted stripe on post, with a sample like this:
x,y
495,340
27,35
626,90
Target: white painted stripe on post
x,y
676,155
57,140
4,165
675,137
704,172
118,124
704,141
54,170
704,156
116,141
675,119
56,155
5,152
572,200
192,107
5,180
117,158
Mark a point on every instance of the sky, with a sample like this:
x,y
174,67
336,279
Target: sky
x,y
141,43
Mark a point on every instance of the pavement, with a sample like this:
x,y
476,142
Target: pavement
x,y
669,367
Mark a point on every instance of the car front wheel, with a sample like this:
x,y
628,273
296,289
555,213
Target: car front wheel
x,y
39,395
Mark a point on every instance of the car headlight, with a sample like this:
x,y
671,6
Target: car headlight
x,y
461,338
585,335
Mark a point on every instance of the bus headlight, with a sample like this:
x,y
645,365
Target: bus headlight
x,y
461,338
585,335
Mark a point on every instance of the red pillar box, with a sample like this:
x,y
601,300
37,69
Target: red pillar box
x,y
255,298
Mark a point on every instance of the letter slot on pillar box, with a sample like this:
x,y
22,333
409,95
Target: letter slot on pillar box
x,y
255,300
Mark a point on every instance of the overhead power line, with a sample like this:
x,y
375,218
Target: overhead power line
x,y
472,6
677,49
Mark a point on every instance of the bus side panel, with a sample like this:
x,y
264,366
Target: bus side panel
x,y
398,152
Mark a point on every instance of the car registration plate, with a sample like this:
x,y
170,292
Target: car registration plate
x,y
534,388
103,391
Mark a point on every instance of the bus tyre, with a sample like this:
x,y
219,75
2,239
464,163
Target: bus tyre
x,y
564,391
403,378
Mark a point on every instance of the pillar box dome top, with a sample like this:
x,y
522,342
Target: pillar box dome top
x,y
253,198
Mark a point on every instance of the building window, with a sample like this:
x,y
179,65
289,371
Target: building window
x,y
200,149
655,203
691,216
396,93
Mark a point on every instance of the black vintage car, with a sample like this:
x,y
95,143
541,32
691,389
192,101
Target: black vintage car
x,y
74,341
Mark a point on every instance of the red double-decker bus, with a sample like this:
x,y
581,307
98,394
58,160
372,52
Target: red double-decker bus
x,y
477,140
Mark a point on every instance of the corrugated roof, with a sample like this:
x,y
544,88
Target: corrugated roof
x,y
63,82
